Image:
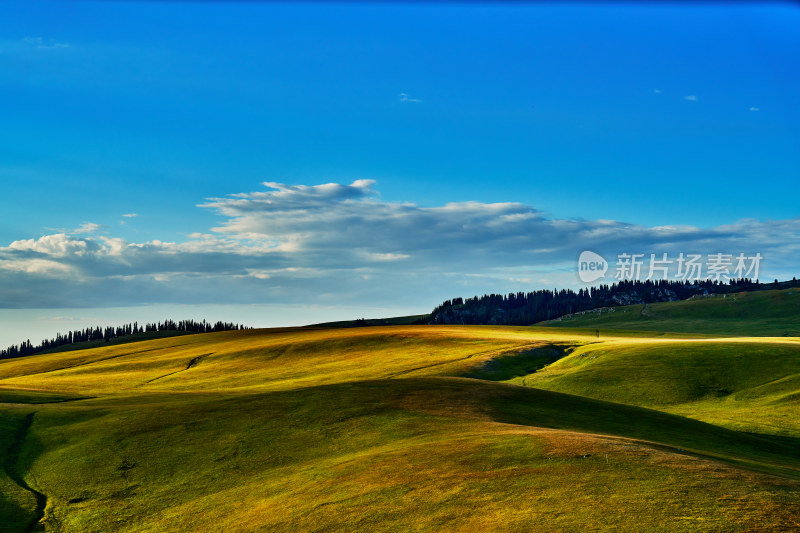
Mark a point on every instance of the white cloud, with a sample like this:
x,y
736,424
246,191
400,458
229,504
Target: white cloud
x,y
377,256
343,243
130,215
691,97
58,245
44,44
405,98
89,227
754,109
46,267
32,44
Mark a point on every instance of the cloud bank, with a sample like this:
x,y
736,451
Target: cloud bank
x,y
342,244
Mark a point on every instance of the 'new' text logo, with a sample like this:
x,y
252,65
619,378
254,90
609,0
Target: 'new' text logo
x,y
591,266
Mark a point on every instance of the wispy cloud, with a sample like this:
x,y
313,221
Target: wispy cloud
x,y
32,45
342,243
130,215
60,318
405,98
691,98
754,109
89,227
84,228
44,44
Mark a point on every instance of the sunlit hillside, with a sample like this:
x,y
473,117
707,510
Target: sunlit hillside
x,y
387,428
758,313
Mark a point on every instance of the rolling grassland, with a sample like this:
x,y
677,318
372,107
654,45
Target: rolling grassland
x,y
404,428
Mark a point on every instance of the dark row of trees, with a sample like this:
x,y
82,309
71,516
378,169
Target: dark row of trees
x,y
523,309
108,333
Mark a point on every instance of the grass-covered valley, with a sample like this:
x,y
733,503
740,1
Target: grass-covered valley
x,y
405,428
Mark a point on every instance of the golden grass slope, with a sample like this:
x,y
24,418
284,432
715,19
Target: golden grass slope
x,y
367,429
270,359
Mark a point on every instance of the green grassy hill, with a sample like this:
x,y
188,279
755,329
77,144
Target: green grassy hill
x,y
373,429
746,384
759,313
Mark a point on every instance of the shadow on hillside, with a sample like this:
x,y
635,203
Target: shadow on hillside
x,y
535,407
519,363
15,515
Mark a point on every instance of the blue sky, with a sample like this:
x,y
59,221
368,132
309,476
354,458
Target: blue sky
x,y
648,116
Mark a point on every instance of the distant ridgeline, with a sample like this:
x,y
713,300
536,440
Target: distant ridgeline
x,y
109,333
524,309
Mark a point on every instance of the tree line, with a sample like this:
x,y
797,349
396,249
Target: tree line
x,y
106,334
524,309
